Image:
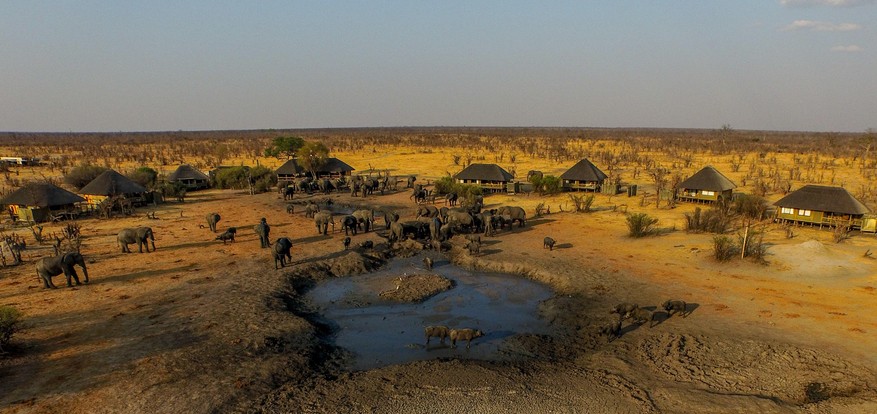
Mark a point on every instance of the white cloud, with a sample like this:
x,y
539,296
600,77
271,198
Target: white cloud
x,y
821,26
831,3
850,48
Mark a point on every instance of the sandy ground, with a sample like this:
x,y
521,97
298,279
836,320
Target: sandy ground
x,y
198,326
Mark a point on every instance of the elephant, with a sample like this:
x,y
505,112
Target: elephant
x,y
389,218
417,229
411,179
263,230
534,173
288,192
141,235
418,196
443,214
427,211
281,251
516,213
369,186
461,217
488,221
322,220
451,199
447,231
397,232
434,227
290,208
326,186
418,187
349,223
354,188
346,243
54,266
366,218
311,209
212,219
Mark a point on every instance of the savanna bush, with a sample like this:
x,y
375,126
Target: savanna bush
x,y
641,224
80,176
10,323
723,248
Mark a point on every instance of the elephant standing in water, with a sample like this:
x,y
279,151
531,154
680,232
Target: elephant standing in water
x,y
212,219
141,235
54,266
262,229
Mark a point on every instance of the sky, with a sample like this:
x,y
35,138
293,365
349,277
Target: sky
x,y
154,65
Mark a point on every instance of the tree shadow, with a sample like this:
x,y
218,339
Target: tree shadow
x,y
488,252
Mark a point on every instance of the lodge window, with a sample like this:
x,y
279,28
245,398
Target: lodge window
x,y
805,213
787,210
708,193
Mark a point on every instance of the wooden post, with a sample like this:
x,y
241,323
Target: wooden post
x,y
745,238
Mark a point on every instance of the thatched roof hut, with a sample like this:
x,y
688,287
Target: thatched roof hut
x,y
820,204
38,201
583,176
111,183
708,184
489,176
188,175
333,167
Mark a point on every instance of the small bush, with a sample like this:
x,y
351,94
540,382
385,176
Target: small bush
x,y
723,248
713,220
10,323
582,204
840,233
551,185
641,224
176,190
234,177
751,206
80,176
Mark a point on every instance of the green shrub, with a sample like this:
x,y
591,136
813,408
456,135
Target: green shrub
x,y
723,248
80,176
175,190
466,192
641,224
551,185
234,177
445,185
751,206
144,176
10,323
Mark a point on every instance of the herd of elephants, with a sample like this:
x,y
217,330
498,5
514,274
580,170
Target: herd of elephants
x,y
432,226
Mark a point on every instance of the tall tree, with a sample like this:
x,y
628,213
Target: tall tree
x,y
284,146
312,156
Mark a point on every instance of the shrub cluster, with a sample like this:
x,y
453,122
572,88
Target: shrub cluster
x,y
80,176
10,323
713,220
144,176
546,185
446,185
641,224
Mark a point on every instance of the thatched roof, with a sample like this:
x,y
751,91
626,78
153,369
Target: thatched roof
x,y
333,165
187,172
823,198
708,179
584,170
111,183
484,172
41,195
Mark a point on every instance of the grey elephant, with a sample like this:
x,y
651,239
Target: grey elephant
x,y
263,230
349,223
288,192
411,179
141,235
366,218
435,225
212,219
54,266
311,209
460,217
488,221
451,199
516,214
427,211
389,218
396,232
322,220
326,186
281,251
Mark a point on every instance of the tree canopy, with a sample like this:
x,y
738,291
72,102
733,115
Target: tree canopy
x,y
312,156
284,146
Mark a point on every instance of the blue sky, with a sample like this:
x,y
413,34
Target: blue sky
x,y
806,65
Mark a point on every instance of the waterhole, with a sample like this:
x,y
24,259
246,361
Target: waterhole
x,y
381,332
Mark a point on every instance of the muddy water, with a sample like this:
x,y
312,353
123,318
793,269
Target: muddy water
x,y
384,333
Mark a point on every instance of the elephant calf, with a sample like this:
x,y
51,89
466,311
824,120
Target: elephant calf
x,y
623,308
346,243
642,316
428,263
53,266
227,236
612,329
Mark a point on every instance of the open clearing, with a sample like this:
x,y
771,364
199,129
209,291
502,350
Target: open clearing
x,y
198,326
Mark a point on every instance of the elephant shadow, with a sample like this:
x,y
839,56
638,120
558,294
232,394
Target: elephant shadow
x,y
311,239
488,252
563,246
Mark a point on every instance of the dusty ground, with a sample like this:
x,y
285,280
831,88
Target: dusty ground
x,y
198,326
